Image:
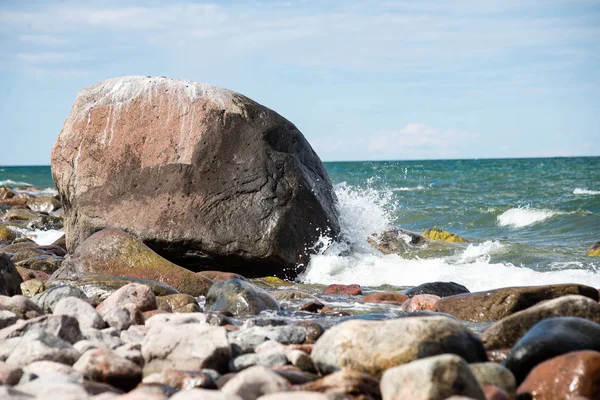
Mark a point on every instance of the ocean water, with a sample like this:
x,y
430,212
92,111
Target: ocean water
x,y
528,221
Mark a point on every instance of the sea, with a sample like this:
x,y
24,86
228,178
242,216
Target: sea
x,y
527,221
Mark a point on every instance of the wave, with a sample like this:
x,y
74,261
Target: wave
x,y
407,189
11,183
524,216
586,192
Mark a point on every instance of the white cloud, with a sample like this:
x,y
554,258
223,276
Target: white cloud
x,y
417,141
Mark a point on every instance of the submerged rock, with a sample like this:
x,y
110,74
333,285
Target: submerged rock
x,y
443,236
115,253
239,298
396,241
496,304
565,377
374,346
227,183
549,338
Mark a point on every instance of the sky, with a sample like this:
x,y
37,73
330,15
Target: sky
x,y
362,80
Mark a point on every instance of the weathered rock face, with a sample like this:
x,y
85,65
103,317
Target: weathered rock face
x,y
115,253
203,175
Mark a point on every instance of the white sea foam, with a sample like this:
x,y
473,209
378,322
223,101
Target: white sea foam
x,y
586,192
10,182
524,216
408,189
481,251
42,238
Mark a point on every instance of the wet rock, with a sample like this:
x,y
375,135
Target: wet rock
x,y
9,374
122,317
351,290
291,294
86,315
242,188
248,339
177,303
220,275
396,241
494,374
440,235
176,346
45,204
37,345
565,377
204,394
49,298
104,365
139,295
98,287
7,234
7,318
549,338
374,346
345,384
64,327
32,287
313,330
434,378
182,380
442,289
421,302
268,359
254,382
239,298
20,305
10,279
594,251
113,252
505,333
385,297
497,304
312,306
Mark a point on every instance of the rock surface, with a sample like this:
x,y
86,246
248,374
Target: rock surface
x,y
506,332
565,377
239,298
496,304
432,378
104,365
222,180
441,289
114,252
374,346
345,384
396,241
10,279
254,382
549,338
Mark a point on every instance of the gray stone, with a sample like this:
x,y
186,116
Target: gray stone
x,y
431,378
7,346
9,393
249,339
491,373
265,359
122,317
175,319
254,382
374,346
20,305
49,298
238,297
37,345
110,337
135,334
62,326
7,318
86,315
187,346
301,360
46,367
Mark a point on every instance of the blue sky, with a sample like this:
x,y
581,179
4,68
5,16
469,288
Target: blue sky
x,y
363,80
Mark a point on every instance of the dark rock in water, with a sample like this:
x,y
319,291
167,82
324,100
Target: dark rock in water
x,y
496,304
550,338
313,330
506,332
442,289
10,279
227,183
594,251
98,287
396,241
346,384
352,290
115,253
569,376
49,298
238,297
374,346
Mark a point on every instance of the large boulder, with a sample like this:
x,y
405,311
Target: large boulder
x,y
115,253
203,175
